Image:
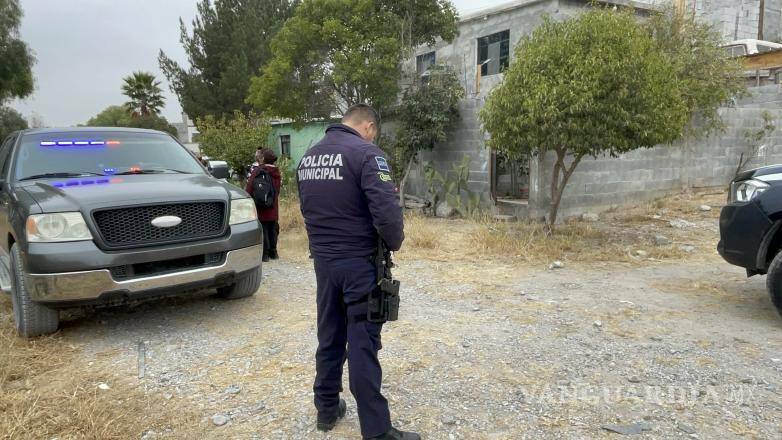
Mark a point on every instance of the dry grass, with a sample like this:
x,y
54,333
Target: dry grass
x,y
47,390
616,238
422,233
529,242
293,243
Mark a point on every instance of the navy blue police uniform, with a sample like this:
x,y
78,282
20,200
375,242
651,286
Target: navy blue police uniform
x,y
348,198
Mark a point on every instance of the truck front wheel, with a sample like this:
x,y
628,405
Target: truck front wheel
x,y
774,282
243,287
32,319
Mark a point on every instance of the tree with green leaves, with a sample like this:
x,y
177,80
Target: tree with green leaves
x,y
111,116
428,111
120,116
595,84
233,139
708,77
10,121
228,45
16,60
143,90
336,53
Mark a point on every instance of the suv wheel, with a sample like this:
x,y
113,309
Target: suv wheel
x,y
243,288
774,282
32,319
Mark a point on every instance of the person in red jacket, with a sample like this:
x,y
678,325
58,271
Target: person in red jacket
x,y
269,217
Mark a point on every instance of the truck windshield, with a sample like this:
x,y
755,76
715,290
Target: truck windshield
x,y
99,153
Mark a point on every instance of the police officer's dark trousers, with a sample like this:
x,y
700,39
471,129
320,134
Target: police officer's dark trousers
x,y
340,282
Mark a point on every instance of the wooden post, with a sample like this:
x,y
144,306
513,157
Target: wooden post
x,y
478,80
679,5
761,17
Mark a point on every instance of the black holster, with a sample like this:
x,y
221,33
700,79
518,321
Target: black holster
x,y
383,303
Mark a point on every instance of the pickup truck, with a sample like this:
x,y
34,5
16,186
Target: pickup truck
x,y
106,216
751,227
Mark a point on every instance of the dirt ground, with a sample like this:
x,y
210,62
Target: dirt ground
x,y
491,344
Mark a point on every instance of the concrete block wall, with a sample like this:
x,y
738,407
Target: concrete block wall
x,y
466,140
601,183
739,19
772,29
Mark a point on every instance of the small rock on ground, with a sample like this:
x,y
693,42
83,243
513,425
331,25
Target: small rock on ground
x,y
661,240
588,217
557,265
219,419
687,248
681,224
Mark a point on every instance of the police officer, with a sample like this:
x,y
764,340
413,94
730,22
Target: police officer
x,y
348,198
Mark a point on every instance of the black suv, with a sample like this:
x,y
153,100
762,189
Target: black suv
x,y
751,227
103,216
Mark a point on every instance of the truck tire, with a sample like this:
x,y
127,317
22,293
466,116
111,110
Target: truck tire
x,y
243,288
774,282
32,319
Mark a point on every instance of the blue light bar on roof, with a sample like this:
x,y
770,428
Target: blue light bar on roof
x,y
74,143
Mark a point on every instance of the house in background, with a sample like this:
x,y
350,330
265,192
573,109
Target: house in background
x,y
485,48
187,133
292,141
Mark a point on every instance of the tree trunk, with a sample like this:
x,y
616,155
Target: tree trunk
x,y
404,181
558,186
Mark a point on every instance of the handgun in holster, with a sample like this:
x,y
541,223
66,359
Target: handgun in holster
x,y
383,305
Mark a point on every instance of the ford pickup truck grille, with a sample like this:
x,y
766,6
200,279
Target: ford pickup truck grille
x,y
132,226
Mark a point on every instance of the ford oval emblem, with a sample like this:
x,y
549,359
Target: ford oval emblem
x,y
166,221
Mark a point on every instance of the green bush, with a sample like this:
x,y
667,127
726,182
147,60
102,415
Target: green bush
x,y
233,140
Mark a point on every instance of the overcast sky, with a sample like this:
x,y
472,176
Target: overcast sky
x,y
85,47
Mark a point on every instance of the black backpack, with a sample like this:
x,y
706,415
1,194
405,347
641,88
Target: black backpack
x,y
264,192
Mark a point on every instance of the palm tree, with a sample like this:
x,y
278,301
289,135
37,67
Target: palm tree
x,y
144,92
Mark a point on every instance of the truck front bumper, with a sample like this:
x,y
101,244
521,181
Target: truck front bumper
x,y
742,229
98,286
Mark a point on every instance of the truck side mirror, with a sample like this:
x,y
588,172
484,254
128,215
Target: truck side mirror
x,y
218,169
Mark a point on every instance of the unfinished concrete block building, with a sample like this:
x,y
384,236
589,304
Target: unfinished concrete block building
x,y
484,48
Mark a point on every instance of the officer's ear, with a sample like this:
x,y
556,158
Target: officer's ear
x,y
372,130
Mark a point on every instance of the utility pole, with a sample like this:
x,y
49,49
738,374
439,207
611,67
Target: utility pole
x,y
761,17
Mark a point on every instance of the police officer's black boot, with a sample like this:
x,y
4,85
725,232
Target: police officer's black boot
x,y
328,422
395,434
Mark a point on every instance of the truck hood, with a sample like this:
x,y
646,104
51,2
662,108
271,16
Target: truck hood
x,y
86,194
770,174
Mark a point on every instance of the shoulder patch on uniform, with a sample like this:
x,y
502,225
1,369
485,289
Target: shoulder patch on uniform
x,y
382,165
385,177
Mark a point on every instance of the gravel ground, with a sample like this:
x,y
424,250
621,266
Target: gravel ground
x,y
482,351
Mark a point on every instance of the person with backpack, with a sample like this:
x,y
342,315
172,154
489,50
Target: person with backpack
x,y
264,185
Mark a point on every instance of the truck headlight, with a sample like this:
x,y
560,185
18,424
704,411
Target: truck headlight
x,y
242,211
747,190
58,227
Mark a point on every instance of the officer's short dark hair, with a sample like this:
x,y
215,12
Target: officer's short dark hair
x,y
362,113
